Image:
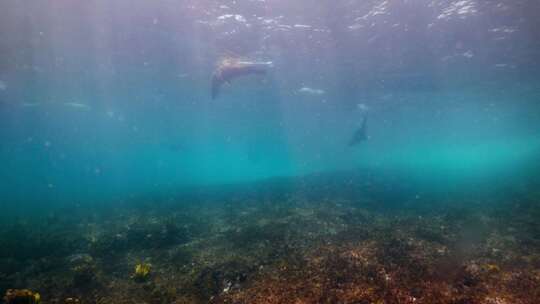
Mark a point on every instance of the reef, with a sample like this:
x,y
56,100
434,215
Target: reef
x,y
307,241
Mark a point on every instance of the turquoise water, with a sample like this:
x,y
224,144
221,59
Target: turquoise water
x,y
72,155
101,102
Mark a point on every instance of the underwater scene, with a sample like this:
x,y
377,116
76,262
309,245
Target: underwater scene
x,y
270,151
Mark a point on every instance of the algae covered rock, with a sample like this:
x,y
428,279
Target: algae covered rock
x,y
83,269
21,296
72,301
142,272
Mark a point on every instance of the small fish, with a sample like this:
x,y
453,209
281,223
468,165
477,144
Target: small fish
x,y
310,91
263,64
30,104
77,105
362,107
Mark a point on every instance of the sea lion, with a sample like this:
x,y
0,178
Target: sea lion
x,y
231,68
360,135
